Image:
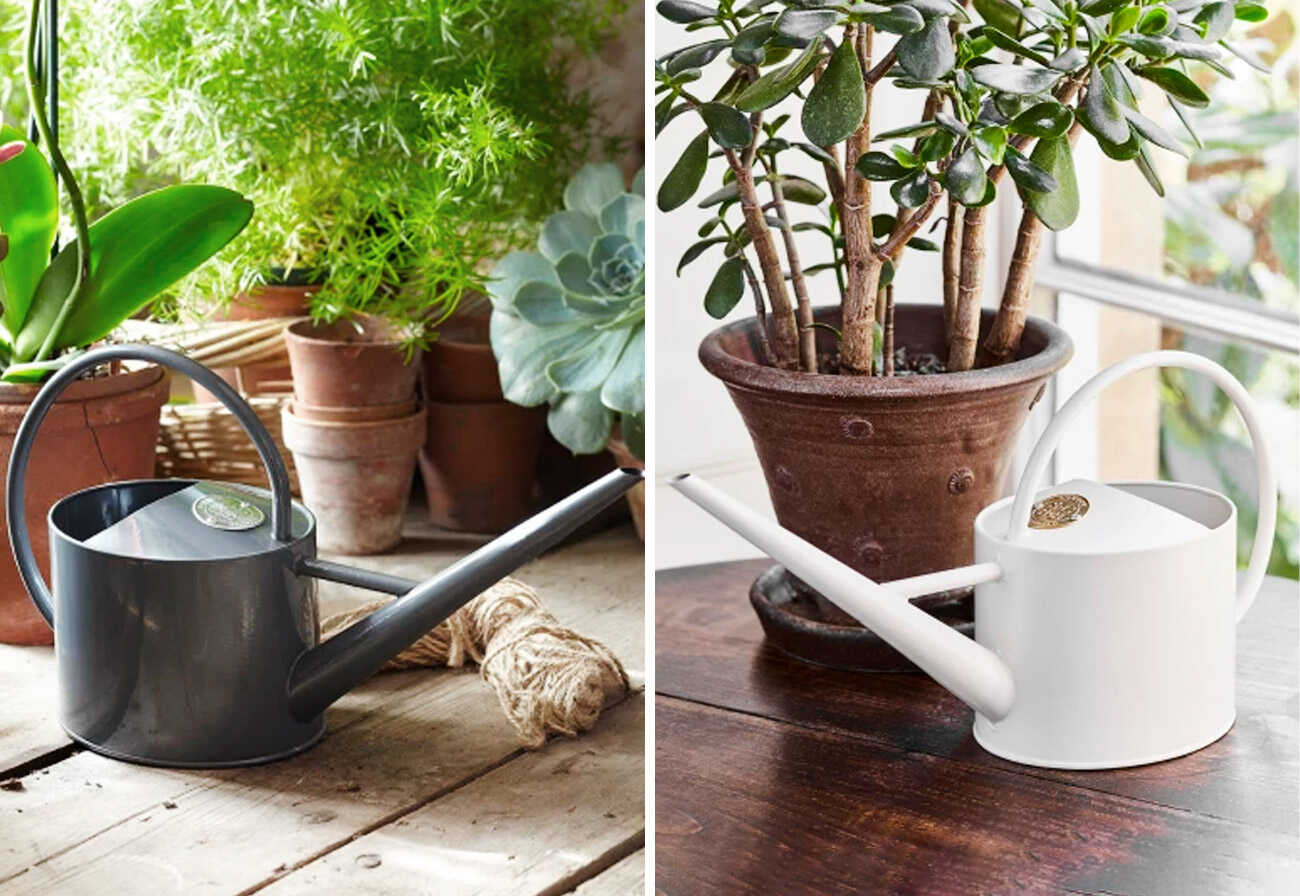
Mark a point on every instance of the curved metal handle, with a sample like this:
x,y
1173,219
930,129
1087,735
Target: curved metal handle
x,y
15,494
1046,447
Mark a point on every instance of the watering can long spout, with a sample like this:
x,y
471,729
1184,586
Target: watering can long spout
x,y
329,670
972,672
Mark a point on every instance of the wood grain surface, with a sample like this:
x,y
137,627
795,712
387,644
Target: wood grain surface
x,y
776,776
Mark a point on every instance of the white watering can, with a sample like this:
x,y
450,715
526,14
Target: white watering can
x,y
1104,613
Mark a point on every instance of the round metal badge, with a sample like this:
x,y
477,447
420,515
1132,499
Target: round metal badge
x,y
1058,511
228,512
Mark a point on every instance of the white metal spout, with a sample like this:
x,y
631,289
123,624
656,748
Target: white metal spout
x,y
971,672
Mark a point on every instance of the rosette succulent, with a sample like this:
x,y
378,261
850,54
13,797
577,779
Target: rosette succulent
x,y
568,321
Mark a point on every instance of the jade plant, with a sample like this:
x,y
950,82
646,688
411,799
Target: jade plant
x,y
568,321
1006,88
392,147
52,309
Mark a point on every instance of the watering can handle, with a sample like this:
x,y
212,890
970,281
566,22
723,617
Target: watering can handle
x,y
15,488
1046,447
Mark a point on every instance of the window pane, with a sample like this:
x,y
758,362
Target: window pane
x,y
1229,217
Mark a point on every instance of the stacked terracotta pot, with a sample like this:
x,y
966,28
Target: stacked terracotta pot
x,y
479,461
354,426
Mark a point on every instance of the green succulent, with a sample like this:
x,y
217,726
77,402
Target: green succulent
x,y
568,321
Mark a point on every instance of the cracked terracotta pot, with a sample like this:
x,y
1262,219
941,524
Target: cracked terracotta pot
x,y
885,473
100,430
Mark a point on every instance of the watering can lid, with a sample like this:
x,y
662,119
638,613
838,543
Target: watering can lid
x,y
203,521
1087,517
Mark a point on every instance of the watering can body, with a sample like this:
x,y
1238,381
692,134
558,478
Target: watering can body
x,y
1105,615
184,612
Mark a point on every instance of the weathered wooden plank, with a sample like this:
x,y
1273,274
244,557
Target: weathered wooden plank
x,y
539,824
27,706
393,744
625,878
710,650
749,805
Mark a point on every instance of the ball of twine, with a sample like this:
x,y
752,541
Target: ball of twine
x,y
548,678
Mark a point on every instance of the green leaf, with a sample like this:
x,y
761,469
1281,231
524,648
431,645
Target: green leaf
x,y
882,225
928,54
838,101
1001,14
1011,45
1058,208
624,390
136,251
567,231
1124,19
950,124
542,304
776,85
1156,21
1177,85
685,176
695,56
1027,174
992,143
581,422
1154,132
920,129
1215,20
896,19
29,217
587,370
922,245
683,12
1017,79
1149,172
880,166
593,187
803,24
905,156
937,146
513,271
727,287
1102,7
965,179
1100,113
1048,119
805,192
1246,56
912,191
728,127
1251,12
695,250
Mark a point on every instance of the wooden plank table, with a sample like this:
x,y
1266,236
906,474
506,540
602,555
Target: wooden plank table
x,y
774,776
418,787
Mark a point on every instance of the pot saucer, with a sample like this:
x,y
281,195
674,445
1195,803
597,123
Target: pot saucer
x,y
801,623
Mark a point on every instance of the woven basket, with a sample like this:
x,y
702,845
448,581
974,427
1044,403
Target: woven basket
x,y
203,441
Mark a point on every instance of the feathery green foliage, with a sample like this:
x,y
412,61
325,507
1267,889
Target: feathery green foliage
x,y
390,146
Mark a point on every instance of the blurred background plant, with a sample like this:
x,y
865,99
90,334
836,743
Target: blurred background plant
x,y
1233,225
391,146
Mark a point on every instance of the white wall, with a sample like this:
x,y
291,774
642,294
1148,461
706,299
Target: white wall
x,y
697,428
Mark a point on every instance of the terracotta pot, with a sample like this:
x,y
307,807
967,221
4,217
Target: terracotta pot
x,y
624,457
356,477
263,303
886,473
459,365
477,463
99,430
349,363
560,473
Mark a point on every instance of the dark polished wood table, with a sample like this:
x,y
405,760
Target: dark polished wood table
x,y
777,777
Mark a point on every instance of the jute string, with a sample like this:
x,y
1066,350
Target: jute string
x,y
548,678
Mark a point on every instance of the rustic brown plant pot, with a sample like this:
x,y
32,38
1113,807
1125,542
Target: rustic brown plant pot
x,y
884,473
478,463
349,363
355,477
459,365
263,303
100,430
624,457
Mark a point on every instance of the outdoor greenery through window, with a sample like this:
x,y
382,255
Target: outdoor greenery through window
x,y
1227,226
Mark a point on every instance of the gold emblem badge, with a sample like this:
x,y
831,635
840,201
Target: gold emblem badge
x,y
1057,511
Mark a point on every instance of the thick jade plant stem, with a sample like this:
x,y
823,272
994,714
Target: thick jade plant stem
x,y
34,97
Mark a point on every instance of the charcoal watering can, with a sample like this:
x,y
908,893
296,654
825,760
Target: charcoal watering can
x,y
1104,613
184,612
